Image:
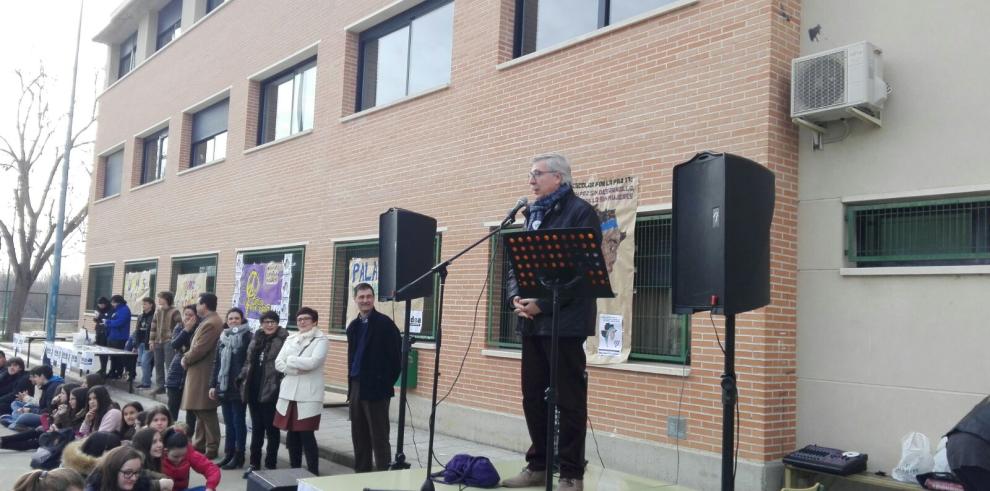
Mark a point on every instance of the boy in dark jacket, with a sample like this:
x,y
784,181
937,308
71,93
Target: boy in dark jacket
x,y
14,383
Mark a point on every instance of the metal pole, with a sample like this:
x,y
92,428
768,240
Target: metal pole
x,y
52,313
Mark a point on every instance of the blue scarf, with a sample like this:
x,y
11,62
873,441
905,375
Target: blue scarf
x,y
538,210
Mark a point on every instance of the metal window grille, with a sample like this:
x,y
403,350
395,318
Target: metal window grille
x,y
658,334
932,232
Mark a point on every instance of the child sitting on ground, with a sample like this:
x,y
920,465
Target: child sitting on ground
x,y
180,456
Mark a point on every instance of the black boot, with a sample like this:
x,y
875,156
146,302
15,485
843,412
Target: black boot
x,y
237,463
227,459
255,460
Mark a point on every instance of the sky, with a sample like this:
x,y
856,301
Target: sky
x,y
35,33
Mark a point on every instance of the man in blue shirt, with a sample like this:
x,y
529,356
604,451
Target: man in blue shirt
x,y
374,355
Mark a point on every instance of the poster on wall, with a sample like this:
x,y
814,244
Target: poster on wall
x,y
260,287
615,200
188,287
365,270
137,285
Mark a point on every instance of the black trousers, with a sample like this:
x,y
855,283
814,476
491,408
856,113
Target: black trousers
x,y
369,431
174,402
299,442
262,428
572,401
117,363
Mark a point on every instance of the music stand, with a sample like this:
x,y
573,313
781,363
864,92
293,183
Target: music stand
x,y
546,262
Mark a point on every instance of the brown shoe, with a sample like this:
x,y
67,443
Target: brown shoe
x,y
525,479
570,484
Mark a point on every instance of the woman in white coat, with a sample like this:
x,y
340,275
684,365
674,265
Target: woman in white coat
x,y
300,396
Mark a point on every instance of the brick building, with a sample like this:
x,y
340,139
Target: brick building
x,y
259,128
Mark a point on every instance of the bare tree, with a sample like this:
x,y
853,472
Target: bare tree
x,y
29,239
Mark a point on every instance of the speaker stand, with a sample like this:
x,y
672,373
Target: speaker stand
x,y
730,396
399,463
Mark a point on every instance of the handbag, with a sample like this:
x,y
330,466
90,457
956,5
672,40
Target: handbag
x,y
468,470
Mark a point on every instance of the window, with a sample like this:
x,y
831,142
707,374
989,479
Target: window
x,y
100,284
198,274
920,233
153,159
295,286
139,282
407,54
112,167
544,23
287,102
169,20
127,55
209,134
344,252
211,5
657,334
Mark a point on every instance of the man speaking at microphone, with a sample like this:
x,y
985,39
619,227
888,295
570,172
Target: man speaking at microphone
x,y
556,207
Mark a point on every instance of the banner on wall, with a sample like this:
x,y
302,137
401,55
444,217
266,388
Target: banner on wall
x,y
615,200
365,270
260,287
188,287
137,285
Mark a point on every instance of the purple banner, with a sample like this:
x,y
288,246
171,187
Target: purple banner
x,y
261,289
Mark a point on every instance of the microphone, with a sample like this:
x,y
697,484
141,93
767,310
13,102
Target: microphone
x,y
522,203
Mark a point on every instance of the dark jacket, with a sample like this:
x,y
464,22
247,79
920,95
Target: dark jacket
x,y
577,315
976,422
119,324
261,354
15,385
102,316
238,344
48,392
381,363
142,328
176,376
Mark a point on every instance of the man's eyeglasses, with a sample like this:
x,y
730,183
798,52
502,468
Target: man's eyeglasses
x,y
535,174
304,318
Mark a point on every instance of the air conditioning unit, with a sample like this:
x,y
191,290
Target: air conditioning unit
x,y
838,83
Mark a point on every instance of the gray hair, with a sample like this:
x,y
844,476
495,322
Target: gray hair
x,y
556,163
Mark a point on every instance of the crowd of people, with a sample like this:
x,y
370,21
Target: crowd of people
x,y
201,362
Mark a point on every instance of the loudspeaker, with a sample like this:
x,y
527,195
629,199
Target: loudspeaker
x,y
722,210
276,480
405,252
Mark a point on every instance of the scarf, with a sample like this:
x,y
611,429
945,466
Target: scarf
x,y
232,341
538,210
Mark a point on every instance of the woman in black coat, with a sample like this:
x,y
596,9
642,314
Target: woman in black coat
x,y
259,387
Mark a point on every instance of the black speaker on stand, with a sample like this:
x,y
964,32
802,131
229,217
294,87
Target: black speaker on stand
x,y
722,211
405,252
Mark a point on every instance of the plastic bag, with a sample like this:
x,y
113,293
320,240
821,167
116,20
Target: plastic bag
x,y
916,458
941,460
81,338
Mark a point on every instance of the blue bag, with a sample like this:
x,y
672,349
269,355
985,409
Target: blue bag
x,y
468,470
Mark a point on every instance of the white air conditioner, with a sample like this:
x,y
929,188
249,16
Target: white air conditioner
x,y
838,83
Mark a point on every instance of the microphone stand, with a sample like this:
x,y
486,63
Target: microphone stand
x,y
440,269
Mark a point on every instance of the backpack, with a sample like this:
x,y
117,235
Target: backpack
x,y
470,471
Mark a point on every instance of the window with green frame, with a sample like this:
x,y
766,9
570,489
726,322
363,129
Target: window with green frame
x,y
137,267
99,284
343,253
935,232
658,335
295,286
192,265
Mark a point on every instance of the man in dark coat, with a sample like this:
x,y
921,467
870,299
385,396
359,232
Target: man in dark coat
x,y
374,360
968,448
14,383
556,207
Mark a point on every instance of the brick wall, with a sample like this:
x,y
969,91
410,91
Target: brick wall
x,y
634,101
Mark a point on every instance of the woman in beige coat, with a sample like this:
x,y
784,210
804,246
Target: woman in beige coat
x,y
300,397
